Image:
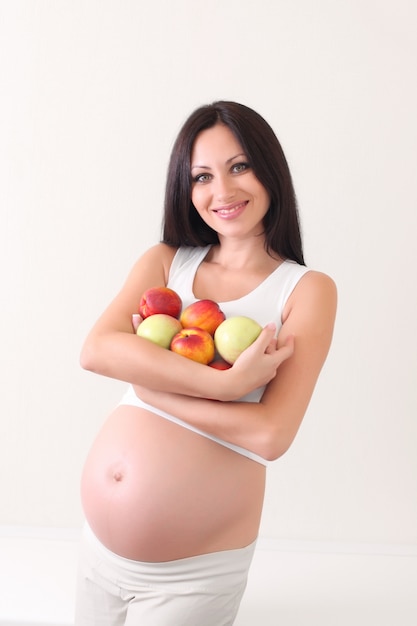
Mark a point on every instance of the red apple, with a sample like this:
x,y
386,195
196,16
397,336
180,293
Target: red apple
x,y
235,335
160,300
195,344
219,364
159,328
205,314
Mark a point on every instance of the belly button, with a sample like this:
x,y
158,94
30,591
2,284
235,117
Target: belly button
x,y
116,472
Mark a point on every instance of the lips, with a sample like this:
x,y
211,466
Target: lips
x,y
231,210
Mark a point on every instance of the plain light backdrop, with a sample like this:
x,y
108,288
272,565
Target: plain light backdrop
x,y
92,95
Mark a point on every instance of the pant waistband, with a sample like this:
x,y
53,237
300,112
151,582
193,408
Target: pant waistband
x,y
230,562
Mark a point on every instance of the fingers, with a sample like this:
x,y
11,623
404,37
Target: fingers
x,y
287,349
267,339
260,361
268,343
271,347
283,352
136,320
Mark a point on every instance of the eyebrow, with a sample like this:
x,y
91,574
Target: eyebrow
x,y
207,167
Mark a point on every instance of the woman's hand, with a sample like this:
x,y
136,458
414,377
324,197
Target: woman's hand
x,y
136,320
255,367
291,367
258,364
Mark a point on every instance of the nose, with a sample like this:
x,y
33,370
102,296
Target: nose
x,y
224,189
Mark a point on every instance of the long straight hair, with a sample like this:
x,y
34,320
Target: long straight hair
x,y
182,225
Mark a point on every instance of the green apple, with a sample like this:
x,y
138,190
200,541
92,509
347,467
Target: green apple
x,y
234,335
159,328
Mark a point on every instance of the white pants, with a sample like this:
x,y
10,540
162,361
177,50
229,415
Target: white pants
x,y
201,590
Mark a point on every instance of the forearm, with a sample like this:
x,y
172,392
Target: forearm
x,y
245,424
122,355
125,356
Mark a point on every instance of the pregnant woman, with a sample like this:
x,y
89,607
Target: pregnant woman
x,y
173,486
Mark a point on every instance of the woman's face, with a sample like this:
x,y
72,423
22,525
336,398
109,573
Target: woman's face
x,y
225,191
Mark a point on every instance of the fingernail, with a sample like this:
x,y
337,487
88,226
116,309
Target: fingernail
x,y
136,319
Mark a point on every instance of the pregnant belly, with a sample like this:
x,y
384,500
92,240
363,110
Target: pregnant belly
x,y
155,491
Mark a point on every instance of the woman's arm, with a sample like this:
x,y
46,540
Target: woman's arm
x,y
269,427
113,349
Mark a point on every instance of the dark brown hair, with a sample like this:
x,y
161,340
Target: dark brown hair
x,y
182,225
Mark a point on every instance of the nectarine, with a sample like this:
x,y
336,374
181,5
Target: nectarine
x,y
195,344
205,314
160,300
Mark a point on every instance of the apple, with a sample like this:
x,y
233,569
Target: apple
x,y
159,328
234,335
205,314
219,364
160,300
194,343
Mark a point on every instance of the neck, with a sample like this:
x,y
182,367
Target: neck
x,y
248,254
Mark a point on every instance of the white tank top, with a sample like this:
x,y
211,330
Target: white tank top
x,y
264,304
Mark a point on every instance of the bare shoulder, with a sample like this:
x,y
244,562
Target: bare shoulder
x,y
160,252
316,282
151,269
314,299
156,259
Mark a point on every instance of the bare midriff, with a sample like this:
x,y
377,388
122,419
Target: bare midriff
x,y
155,491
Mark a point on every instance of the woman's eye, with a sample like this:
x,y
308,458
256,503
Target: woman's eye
x,y
201,178
238,168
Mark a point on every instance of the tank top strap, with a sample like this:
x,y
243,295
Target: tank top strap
x,y
183,269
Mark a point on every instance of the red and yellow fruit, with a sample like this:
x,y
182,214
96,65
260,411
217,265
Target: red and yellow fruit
x,y
160,300
205,314
219,364
195,344
200,332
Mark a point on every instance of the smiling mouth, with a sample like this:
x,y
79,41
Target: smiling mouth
x,y
231,208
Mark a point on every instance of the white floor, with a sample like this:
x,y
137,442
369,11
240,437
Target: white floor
x,y
290,584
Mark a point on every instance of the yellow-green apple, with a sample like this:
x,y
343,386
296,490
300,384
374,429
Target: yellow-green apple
x,y
205,314
160,300
234,335
159,328
194,343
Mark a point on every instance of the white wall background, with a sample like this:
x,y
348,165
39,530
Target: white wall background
x,y
93,93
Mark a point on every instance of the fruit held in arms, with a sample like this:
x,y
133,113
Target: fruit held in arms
x,y
219,364
234,335
205,314
159,328
160,300
195,344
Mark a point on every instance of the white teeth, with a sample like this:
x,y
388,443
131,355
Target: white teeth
x,y
227,211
